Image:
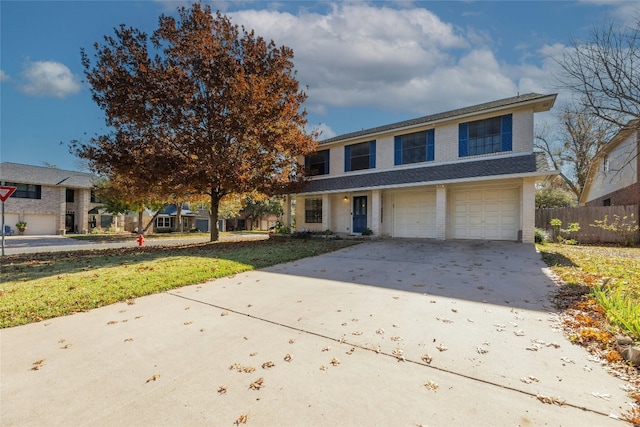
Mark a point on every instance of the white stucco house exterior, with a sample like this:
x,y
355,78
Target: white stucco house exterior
x,y
468,173
52,201
614,176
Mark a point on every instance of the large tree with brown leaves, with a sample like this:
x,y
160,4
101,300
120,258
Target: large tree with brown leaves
x,y
200,107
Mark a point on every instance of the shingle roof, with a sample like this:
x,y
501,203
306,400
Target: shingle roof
x,y
528,164
520,99
40,175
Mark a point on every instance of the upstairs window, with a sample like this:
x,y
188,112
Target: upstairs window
x,y
414,147
605,163
25,191
70,193
317,163
360,156
487,136
313,211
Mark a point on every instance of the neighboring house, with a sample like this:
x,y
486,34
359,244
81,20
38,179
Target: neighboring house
x,y
244,222
165,221
614,177
469,173
52,201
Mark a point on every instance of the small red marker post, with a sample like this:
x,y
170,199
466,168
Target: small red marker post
x,y
5,192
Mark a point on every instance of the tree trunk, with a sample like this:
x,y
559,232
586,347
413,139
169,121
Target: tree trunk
x,y
140,229
213,218
178,224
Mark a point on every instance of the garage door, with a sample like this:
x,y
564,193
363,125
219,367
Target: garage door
x,y
490,214
40,224
414,215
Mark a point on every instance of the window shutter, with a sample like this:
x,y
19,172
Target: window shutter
x,y
326,162
397,150
372,155
507,125
463,140
430,145
347,158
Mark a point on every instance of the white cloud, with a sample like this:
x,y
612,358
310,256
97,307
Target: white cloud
x,y
49,78
4,76
324,130
407,59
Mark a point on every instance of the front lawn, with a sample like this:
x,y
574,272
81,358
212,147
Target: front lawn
x,y
34,287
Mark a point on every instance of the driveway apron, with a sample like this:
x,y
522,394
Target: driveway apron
x,y
388,332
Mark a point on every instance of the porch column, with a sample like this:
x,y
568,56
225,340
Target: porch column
x,y
62,209
441,212
82,213
375,212
528,210
326,212
287,211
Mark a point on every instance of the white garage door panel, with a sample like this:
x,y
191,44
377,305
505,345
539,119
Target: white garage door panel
x,y
414,215
40,224
491,214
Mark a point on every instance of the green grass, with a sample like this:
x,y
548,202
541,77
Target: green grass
x,y
36,287
123,237
612,273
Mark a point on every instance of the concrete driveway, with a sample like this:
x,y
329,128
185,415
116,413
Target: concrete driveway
x,y
386,333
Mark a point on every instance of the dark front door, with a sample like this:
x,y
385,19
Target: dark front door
x,y
359,214
69,222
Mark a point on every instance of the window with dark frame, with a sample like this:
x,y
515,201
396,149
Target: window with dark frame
x,y
318,163
414,147
70,195
313,211
25,191
163,222
488,136
360,156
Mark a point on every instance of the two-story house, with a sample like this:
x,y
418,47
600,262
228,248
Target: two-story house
x,y
51,201
469,173
614,175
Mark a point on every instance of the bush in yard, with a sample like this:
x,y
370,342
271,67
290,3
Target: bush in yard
x,y
625,228
541,236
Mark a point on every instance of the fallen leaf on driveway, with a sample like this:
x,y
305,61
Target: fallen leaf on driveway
x,y
351,351
604,396
242,419
288,357
426,358
567,360
267,365
431,385
153,378
518,333
326,348
380,331
481,350
257,384
529,379
444,320
550,400
222,389
397,353
396,338
224,313
38,364
442,347
335,362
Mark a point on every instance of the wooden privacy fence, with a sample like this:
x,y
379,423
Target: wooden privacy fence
x,y
586,215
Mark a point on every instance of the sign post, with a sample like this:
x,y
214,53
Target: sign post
x,y
5,193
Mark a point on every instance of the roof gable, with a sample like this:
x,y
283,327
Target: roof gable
x,y
40,175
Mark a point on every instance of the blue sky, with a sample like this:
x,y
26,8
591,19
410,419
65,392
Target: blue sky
x,y
364,64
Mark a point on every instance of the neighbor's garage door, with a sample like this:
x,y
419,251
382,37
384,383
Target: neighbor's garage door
x,y
414,215
40,224
490,214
